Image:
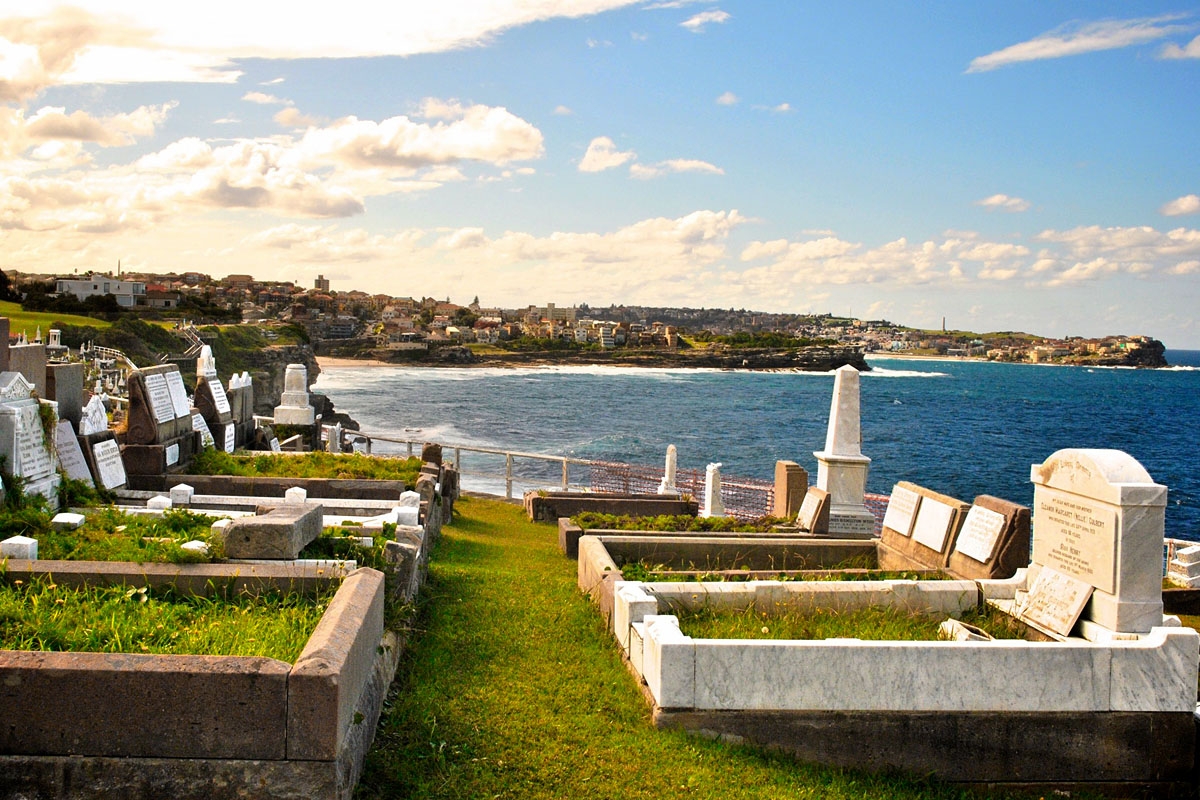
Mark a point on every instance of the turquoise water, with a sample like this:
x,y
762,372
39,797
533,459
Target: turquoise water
x,y
962,428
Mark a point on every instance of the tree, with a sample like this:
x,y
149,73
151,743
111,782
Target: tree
x,y
6,290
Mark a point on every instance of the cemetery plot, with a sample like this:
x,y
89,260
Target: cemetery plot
x,y
43,615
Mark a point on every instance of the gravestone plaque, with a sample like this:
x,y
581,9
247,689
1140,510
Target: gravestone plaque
x,y
109,467
1076,536
980,533
70,455
160,397
1054,602
229,437
199,425
901,510
179,398
220,399
172,454
932,525
275,448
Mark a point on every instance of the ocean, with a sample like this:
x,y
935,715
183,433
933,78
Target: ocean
x,y
959,427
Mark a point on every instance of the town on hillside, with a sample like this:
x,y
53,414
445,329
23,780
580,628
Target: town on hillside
x,y
358,324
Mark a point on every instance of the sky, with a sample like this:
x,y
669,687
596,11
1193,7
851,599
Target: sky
x,y
1005,166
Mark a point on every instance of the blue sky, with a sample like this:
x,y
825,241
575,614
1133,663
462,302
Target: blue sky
x,y
1007,166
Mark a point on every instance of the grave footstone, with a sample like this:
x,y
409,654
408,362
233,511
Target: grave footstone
x,y
1098,517
19,547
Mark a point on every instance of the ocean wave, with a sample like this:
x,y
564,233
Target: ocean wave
x,y
1178,368
884,372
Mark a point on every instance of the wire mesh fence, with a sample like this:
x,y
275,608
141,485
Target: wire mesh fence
x,y
743,498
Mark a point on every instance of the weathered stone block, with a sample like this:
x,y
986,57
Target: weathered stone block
x,y
280,533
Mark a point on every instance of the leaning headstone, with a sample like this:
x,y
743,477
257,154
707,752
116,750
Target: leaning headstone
x,y
932,521
294,408
108,467
667,486
791,488
70,455
281,533
213,404
1098,517
993,542
201,427
813,515
841,466
94,418
713,506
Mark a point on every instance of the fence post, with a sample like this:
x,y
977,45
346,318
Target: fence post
x,y
368,438
565,482
410,449
508,476
458,460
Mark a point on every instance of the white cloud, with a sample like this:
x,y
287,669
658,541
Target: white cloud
x,y
1003,202
727,99
562,111
639,37
644,172
697,22
126,41
594,43
1174,51
292,118
1077,38
226,121
272,82
602,154
1188,204
265,99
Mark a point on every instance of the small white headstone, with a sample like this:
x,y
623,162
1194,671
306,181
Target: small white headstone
x,y
230,430
172,454
410,499
195,546
713,507
206,365
181,495
295,494
220,525
66,521
407,515
667,486
19,547
275,448
979,533
160,502
95,417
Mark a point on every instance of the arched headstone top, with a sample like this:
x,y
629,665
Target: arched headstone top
x,y
1112,476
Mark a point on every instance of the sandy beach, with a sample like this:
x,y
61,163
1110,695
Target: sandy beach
x,y
330,362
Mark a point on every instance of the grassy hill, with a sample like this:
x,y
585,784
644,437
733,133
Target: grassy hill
x,y
30,321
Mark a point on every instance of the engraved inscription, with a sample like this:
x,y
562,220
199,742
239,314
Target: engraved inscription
x,y
808,511
1076,536
1054,602
109,466
933,524
160,398
179,399
979,533
220,400
229,431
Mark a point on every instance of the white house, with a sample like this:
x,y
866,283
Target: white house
x,y
126,292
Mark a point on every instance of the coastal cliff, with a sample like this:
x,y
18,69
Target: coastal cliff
x,y
1151,354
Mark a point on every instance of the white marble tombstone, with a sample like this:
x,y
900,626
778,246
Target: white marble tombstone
x,y
110,470
28,449
667,486
206,364
1098,517
293,408
95,417
70,455
841,466
713,507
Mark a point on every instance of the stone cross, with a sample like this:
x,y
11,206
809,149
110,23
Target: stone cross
x,y
713,507
841,466
668,482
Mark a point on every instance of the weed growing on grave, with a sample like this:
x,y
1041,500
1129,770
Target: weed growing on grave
x,y
308,465
715,573
110,535
81,494
513,687
42,615
876,623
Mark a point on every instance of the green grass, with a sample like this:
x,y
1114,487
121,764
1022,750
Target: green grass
x,y
850,570
109,535
511,687
40,615
590,520
309,465
875,624
29,321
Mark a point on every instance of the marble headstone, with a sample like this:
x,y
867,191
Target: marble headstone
x,y
841,466
713,506
70,455
667,486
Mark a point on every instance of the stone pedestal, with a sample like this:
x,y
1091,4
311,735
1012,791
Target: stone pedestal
x,y
841,466
713,506
667,486
294,408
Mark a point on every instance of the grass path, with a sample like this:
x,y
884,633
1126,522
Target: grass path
x,y
512,688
